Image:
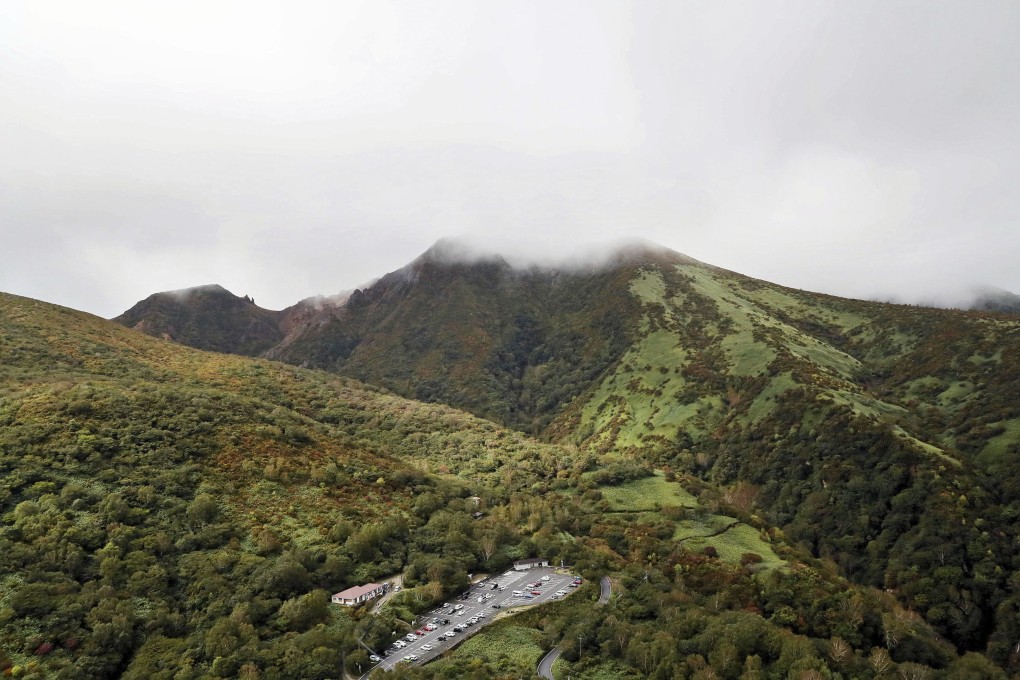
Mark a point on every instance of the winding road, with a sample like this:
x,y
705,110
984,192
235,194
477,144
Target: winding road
x,y
546,664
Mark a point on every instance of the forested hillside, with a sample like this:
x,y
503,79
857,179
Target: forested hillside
x,y
170,513
883,438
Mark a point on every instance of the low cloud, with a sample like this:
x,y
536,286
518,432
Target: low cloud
x,y
289,150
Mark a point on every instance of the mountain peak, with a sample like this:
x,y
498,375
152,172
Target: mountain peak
x,y
206,317
992,299
458,251
213,290
520,256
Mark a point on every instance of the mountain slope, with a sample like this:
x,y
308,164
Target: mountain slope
x,y
884,437
507,344
171,513
207,317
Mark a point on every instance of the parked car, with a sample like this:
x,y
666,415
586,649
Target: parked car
x,y
399,644
496,606
545,578
373,658
536,592
410,637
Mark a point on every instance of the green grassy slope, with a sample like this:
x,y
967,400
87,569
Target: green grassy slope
x,y
808,397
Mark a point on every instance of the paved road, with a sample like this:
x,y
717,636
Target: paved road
x,y
395,582
545,666
502,595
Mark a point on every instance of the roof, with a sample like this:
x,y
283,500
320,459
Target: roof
x,y
533,560
357,591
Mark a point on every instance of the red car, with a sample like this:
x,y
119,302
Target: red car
x,y
421,631
536,592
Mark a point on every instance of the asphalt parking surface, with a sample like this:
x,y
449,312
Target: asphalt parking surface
x,y
502,595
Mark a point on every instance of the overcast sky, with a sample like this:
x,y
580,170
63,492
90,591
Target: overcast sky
x,y
866,149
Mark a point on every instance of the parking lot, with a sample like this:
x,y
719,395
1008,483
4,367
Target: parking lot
x,y
473,610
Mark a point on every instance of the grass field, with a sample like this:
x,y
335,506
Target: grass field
x,y
736,541
701,527
648,493
651,493
1000,450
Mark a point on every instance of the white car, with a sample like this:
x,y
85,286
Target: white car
x,y
399,644
545,578
426,648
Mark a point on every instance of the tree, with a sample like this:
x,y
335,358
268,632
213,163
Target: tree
x,y
203,509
